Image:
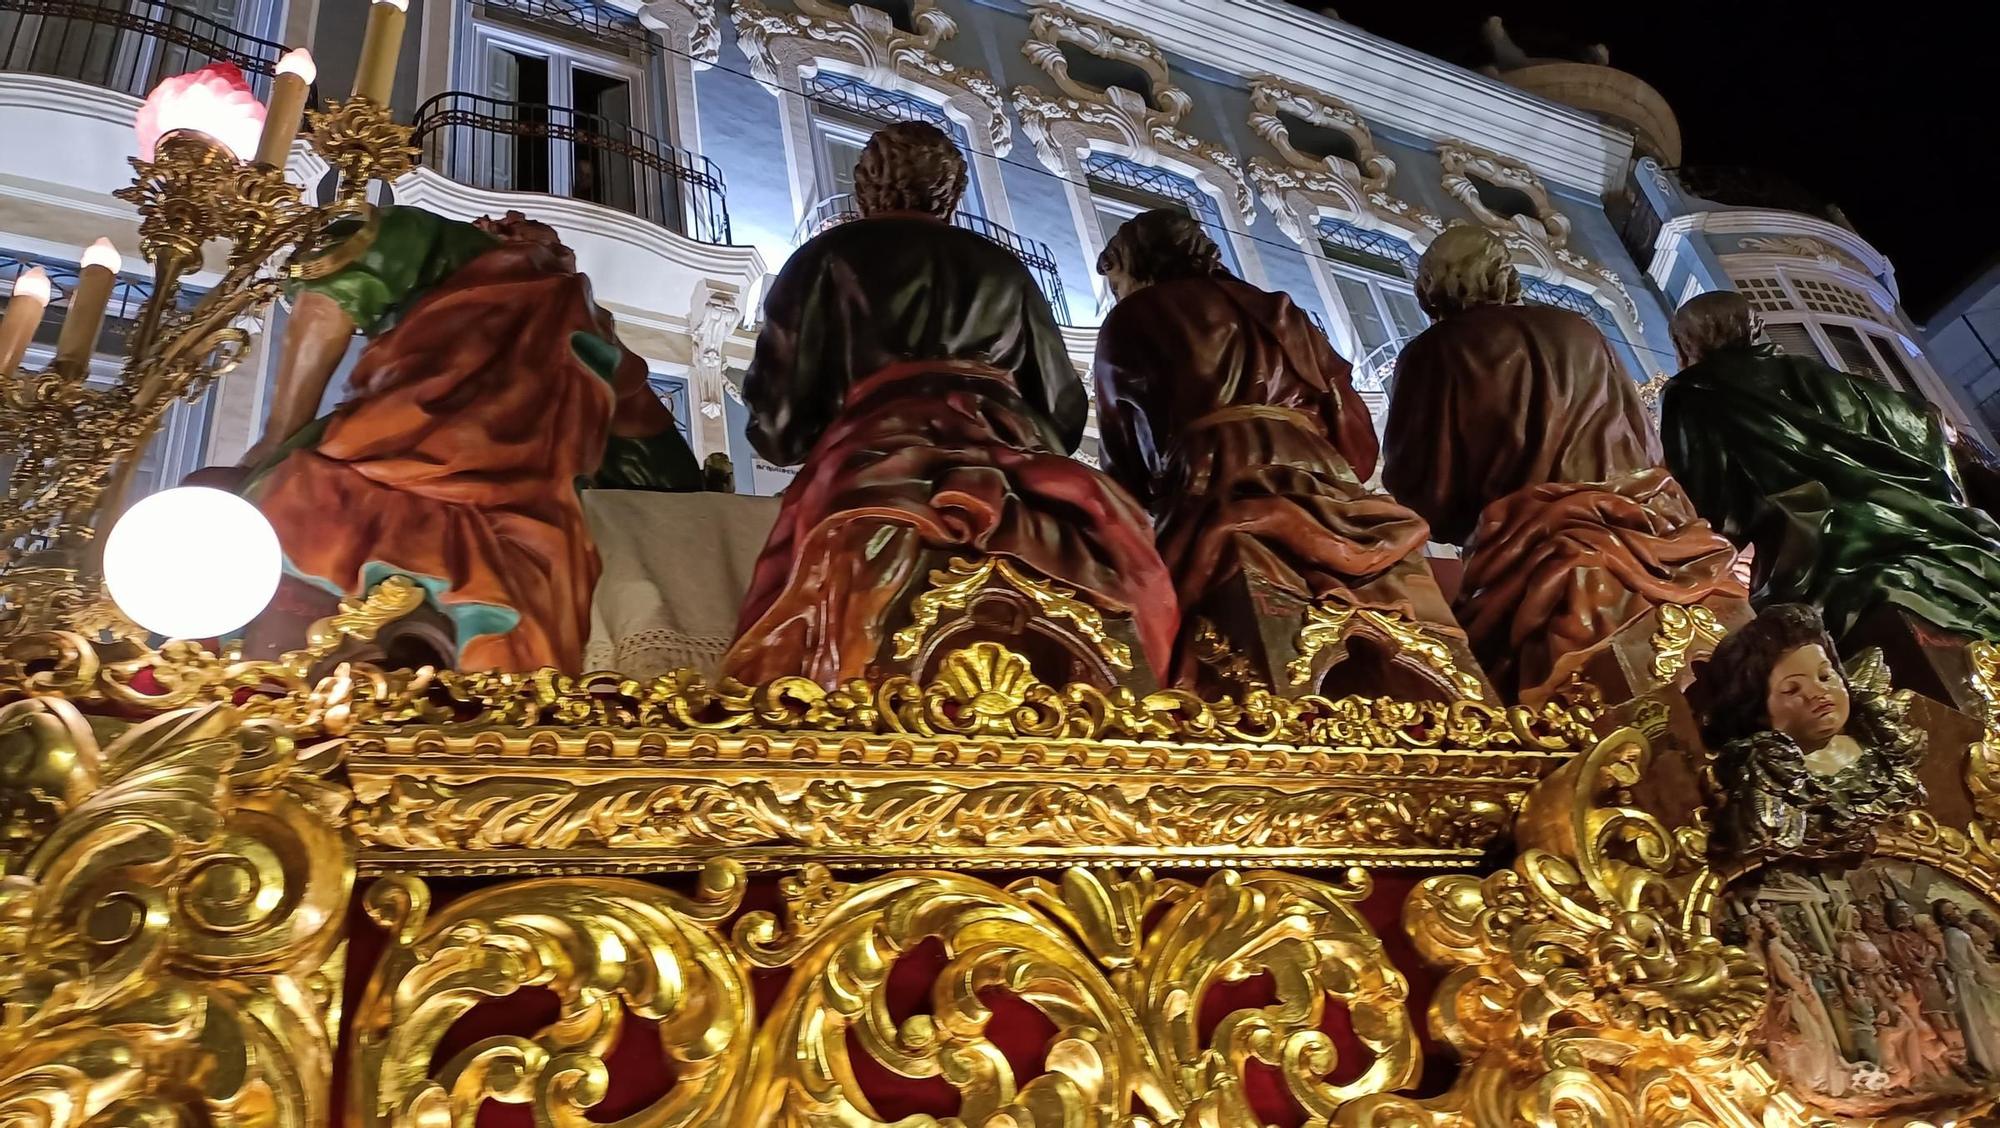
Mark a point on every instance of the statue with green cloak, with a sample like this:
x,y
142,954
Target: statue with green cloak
x,y
1845,486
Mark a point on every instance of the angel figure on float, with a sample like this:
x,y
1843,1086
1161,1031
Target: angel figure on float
x,y
1808,759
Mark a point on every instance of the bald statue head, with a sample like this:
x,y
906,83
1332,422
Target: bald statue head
x,y
909,167
1719,319
1466,266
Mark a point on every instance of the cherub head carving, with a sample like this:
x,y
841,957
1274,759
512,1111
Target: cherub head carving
x,y
1158,246
1778,674
1716,320
1466,266
911,166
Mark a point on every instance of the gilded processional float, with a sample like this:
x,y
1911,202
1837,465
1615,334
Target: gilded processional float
x,y
1180,792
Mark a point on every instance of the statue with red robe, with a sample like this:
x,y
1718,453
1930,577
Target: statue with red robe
x,y
1227,411
1515,431
914,372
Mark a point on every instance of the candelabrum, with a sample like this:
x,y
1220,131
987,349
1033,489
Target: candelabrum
x,y
76,445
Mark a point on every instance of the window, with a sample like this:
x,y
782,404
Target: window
x,y
1504,201
1372,278
1826,320
1121,189
1537,291
846,112
556,71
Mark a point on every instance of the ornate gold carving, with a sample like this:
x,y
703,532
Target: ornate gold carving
x,y
1681,629
131,675
661,819
363,142
169,948
955,587
606,947
1331,623
1117,963
686,702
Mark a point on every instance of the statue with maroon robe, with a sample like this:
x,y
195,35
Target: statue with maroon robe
x,y
915,373
1227,411
1514,430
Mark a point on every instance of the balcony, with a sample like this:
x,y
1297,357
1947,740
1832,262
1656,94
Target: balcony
x,y
127,47
496,145
1035,255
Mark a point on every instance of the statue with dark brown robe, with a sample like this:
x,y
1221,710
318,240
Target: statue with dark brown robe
x,y
1515,431
1227,411
916,371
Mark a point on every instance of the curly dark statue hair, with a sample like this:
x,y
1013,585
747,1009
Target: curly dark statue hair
x,y
1160,246
1737,681
911,166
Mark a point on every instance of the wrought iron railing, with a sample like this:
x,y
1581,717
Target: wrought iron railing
x,y
523,147
1034,254
125,45
1375,371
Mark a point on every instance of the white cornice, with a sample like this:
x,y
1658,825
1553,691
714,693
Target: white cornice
x,y
1768,221
1385,82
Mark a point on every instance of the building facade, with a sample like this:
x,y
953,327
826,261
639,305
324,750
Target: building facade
x,y
685,147
1962,338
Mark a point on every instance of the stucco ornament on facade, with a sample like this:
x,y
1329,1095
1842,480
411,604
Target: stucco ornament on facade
x,y
1144,127
1271,96
1805,247
1465,165
784,46
690,21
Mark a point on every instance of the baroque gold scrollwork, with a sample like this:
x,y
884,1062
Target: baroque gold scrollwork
x,y
165,945
1586,987
1120,966
606,947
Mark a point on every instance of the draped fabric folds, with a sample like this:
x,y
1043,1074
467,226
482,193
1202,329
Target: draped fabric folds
x,y
1845,486
918,374
1230,411
487,393
1517,433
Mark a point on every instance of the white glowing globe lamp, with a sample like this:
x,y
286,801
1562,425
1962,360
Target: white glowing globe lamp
x,y
192,562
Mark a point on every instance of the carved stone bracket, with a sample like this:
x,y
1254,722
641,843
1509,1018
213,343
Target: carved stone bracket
x,y
714,314
783,46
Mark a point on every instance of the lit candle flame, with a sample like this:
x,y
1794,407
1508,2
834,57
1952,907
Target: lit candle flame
x,y
102,253
299,61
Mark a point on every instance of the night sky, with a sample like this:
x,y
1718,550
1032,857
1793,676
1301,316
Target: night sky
x,y
1888,116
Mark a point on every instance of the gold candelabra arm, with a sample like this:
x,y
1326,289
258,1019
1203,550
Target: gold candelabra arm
x,y
363,143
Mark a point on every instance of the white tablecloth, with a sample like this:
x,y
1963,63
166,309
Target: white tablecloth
x,y
675,570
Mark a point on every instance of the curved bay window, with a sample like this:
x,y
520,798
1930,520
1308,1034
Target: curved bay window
x,y
130,45
1825,319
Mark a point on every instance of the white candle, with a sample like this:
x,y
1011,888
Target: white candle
x,y
24,313
84,319
288,104
375,78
